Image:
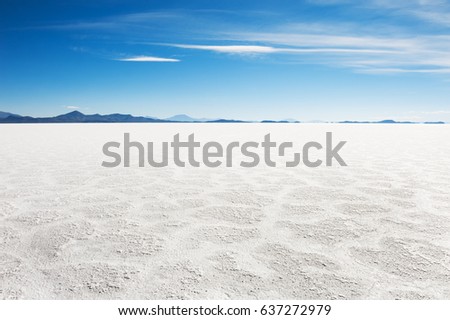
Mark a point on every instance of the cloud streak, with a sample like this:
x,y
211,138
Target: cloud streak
x,y
372,53
432,11
368,54
148,59
238,49
247,49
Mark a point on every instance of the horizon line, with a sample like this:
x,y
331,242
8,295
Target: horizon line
x,y
204,120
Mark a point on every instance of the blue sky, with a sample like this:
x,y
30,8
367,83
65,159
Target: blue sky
x,y
266,59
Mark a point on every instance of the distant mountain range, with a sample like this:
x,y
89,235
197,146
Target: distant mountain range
x,y
393,121
78,117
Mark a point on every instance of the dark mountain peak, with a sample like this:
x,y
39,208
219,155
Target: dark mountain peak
x,y
74,113
71,116
4,115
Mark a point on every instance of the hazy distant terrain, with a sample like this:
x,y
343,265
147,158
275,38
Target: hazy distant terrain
x,y
79,117
72,229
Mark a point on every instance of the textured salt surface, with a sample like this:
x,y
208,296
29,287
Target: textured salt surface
x,y
71,229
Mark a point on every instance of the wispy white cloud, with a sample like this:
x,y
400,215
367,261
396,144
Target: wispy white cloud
x,y
118,22
436,17
72,107
375,47
371,53
148,59
248,49
327,37
240,49
431,11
